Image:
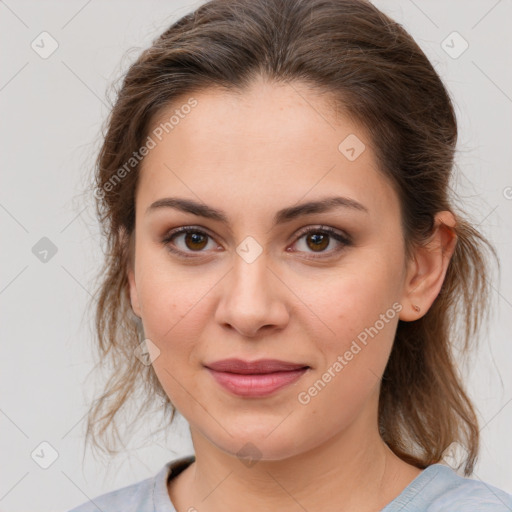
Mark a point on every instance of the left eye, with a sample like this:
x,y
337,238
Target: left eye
x,y
317,240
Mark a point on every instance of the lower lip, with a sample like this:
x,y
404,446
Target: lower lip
x,y
256,385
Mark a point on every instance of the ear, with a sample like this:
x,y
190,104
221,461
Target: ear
x,y
129,245
427,268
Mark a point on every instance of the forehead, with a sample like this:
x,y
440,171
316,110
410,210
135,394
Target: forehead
x,y
279,142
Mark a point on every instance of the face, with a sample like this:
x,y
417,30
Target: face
x,y
264,279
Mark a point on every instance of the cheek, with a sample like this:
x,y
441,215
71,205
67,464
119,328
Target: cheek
x,y
172,316
361,312
176,306
169,296
354,299
361,309
174,313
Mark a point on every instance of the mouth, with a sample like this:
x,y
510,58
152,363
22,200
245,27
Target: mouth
x,y
255,378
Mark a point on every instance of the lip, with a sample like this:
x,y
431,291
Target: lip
x,y
255,378
260,366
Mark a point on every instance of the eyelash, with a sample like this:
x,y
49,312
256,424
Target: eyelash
x,y
344,240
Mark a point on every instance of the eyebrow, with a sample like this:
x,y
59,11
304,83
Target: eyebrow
x,y
282,216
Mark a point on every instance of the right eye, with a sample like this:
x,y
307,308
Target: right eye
x,y
186,240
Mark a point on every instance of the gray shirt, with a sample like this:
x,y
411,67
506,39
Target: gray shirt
x,y
437,488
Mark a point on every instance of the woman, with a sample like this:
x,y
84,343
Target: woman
x,y
286,267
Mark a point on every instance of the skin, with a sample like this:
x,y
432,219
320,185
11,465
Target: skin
x,y
250,155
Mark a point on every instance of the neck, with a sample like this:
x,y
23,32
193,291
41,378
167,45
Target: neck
x,y
354,470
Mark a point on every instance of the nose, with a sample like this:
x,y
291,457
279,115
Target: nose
x,y
253,299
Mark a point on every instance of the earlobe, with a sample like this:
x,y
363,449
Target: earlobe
x,y
428,267
134,298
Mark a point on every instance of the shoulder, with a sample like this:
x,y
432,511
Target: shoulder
x,y
134,497
439,488
467,494
126,499
143,496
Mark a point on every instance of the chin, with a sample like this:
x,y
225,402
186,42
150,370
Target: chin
x,y
252,447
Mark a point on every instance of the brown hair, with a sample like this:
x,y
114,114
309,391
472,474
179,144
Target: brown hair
x,y
379,76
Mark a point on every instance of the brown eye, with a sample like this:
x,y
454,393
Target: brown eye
x,y
317,241
186,240
195,240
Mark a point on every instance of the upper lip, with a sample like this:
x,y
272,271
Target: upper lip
x,y
253,367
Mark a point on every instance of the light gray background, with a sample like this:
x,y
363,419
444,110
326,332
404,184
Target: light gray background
x,y
51,111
